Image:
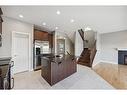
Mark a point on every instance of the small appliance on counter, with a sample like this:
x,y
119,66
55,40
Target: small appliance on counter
x,y
41,48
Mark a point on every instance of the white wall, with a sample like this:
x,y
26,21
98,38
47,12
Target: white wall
x,y
69,46
98,47
8,26
78,44
90,36
110,42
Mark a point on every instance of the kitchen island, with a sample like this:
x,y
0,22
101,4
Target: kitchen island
x,y
57,68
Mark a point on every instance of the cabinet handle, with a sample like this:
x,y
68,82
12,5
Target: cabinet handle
x,y
5,83
12,62
13,83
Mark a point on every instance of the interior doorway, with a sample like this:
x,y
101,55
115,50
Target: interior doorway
x,y
20,52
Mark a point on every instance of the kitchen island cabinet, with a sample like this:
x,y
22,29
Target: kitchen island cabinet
x,y
55,69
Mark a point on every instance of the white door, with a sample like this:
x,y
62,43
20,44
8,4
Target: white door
x,y
20,52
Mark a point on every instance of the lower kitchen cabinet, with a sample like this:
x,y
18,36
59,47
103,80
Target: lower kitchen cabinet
x,y
6,80
55,69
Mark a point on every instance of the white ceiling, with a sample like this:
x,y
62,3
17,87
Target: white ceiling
x,y
100,18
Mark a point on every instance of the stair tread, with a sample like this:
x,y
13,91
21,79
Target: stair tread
x,y
84,58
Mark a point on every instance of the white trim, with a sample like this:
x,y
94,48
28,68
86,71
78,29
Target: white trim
x,y
96,63
103,61
29,52
122,49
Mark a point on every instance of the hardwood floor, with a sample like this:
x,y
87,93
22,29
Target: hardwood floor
x,y
115,74
84,78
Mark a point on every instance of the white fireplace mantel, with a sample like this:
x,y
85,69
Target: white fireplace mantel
x,y
122,49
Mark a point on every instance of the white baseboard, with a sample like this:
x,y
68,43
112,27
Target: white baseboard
x,y
103,61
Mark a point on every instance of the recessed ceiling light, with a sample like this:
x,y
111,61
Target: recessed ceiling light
x,y
88,29
44,23
58,12
72,20
21,16
56,27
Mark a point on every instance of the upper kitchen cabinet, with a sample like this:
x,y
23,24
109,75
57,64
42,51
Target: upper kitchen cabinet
x,y
1,20
40,35
0,27
50,37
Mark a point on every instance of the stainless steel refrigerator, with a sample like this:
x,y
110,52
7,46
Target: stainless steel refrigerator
x,y
41,48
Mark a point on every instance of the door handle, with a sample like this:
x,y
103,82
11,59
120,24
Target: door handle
x,y
12,83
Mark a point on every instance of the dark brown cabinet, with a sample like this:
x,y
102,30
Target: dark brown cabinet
x,y
40,35
0,27
1,20
43,36
57,69
50,39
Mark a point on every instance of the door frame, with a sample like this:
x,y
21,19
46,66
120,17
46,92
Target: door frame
x,y
12,47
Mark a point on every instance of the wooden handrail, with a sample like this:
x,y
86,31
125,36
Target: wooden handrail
x,y
1,13
81,34
68,53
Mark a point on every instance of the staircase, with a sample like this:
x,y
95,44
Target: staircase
x,y
84,59
87,56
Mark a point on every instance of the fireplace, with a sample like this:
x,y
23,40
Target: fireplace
x,y
122,57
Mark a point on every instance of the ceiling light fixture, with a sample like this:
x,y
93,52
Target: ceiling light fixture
x,y
56,28
44,23
58,12
72,20
88,29
21,16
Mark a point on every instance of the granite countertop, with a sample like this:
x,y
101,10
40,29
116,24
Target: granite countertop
x,y
57,58
5,60
57,67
